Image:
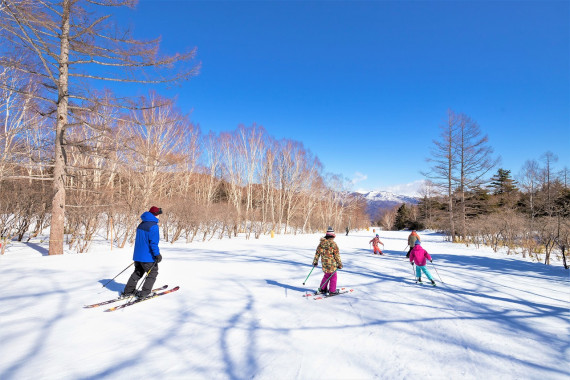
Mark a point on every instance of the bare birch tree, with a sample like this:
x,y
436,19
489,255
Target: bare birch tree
x,y
233,173
154,140
251,145
17,120
296,168
549,159
529,181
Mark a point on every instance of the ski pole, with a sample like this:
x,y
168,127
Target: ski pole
x,y
328,279
405,248
414,271
309,274
436,272
118,274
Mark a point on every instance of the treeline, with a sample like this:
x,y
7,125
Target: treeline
x,y
529,214
209,185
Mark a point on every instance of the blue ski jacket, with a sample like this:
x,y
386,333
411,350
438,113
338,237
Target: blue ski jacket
x,y
147,238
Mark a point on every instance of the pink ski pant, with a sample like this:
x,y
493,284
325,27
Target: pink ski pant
x,y
331,284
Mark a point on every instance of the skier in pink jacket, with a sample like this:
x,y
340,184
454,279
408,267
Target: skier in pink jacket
x,y
419,256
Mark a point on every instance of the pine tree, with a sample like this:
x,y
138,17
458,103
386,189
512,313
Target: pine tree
x,y
504,188
502,183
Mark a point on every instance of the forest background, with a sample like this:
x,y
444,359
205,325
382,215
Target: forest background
x,y
76,159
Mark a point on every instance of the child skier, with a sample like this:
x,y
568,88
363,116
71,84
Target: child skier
x,y
418,255
375,243
330,261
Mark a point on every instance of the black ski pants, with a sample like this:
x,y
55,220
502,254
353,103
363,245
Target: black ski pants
x,y
140,270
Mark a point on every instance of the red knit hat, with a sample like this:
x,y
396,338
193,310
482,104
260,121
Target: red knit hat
x,y
155,210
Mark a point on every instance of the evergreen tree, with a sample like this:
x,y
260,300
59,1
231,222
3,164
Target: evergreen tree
x,y
502,183
504,188
405,218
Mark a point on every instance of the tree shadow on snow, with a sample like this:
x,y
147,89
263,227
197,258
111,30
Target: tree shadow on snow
x,y
36,247
502,265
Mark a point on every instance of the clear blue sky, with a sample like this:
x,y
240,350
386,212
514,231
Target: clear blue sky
x,y
366,84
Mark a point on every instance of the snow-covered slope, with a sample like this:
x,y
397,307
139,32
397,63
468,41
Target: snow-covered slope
x,y
240,314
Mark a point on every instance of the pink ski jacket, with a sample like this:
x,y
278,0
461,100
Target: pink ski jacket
x,y
419,255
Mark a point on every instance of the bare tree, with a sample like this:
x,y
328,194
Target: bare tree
x,y
529,182
17,121
296,168
267,179
428,191
445,164
461,159
154,140
388,218
563,175
475,160
62,44
549,159
233,173
251,144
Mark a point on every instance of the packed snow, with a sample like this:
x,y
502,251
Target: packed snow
x,y
240,313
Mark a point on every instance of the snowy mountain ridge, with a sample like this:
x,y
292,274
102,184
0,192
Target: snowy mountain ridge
x,y
377,201
386,196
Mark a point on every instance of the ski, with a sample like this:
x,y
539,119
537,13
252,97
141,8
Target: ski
x,y
427,283
118,299
144,299
342,291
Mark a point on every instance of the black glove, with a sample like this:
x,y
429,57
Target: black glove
x,y
431,261
411,263
157,258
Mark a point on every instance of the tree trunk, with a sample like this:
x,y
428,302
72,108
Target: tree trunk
x,y
450,204
58,201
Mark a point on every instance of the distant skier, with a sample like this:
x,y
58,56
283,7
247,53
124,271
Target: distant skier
x,y
375,241
419,256
347,231
412,238
146,254
330,261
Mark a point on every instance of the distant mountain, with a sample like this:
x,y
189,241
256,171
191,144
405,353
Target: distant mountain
x,y
382,200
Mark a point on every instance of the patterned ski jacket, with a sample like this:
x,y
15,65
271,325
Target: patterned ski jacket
x,y
329,254
419,255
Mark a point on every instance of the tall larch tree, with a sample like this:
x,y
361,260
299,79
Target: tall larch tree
x,y
68,46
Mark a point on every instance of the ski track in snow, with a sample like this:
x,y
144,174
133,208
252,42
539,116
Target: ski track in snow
x,y
240,314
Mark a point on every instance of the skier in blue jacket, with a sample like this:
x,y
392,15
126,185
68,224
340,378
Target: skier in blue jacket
x,y
146,254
